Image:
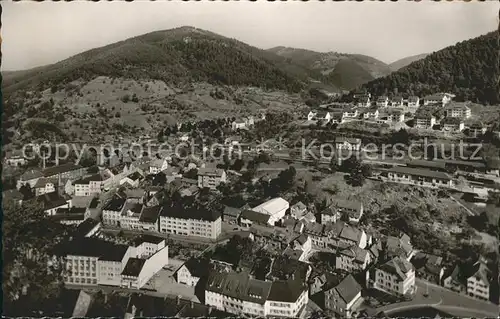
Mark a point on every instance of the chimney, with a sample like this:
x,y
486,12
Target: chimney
x,y
178,299
192,304
134,310
293,276
209,310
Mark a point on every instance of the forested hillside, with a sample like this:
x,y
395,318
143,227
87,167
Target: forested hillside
x,y
469,69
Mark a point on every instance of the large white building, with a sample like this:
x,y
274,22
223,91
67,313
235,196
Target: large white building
x,y
92,261
478,284
458,110
397,277
139,217
275,208
238,293
190,222
89,186
111,212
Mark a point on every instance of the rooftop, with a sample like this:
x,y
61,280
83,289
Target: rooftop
x,y
210,171
420,172
116,204
133,267
348,289
272,206
397,266
190,213
95,247
255,216
51,171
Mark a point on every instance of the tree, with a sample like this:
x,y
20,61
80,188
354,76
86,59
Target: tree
x,y
32,267
159,179
26,191
226,161
238,164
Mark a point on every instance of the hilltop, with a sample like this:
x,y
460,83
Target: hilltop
x,y
343,70
469,69
181,55
401,63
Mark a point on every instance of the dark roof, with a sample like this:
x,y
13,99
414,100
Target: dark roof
x,y
94,203
87,180
135,176
210,171
347,204
95,247
51,171
464,163
190,213
52,200
240,286
255,216
452,120
85,227
31,174
348,288
133,267
397,266
349,140
116,204
286,291
198,267
231,211
419,172
147,239
425,163
150,214
42,182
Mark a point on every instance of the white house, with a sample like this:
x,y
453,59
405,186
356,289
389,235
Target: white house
x,y
382,101
344,298
397,277
458,110
478,284
15,160
275,208
350,113
157,166
363,101
311,115
343,143
371,114
44,186
238,293
413,101
89,186
352,259
191,271
425,121
453,124
397,101
111,212
136,216
438,98
189,222
139,271
211,177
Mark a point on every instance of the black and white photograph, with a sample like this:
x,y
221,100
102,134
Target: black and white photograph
x,y
250,159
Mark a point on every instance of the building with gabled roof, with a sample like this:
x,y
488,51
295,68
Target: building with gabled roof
x,y
352,259
210,177
480,281
344,298
276,208
397,277
400,246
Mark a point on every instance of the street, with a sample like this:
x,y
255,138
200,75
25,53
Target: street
x,y
445,300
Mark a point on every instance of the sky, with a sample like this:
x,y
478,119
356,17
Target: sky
x,y
40,33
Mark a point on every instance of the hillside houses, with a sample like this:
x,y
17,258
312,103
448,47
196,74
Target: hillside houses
x,y
438,98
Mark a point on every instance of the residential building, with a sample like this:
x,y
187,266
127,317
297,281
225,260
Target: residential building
x,y
397,101
311,115
478,284
69,216
460,110
337,118
138,272
363,101
92,261
413,101
137,216
29,177
352,259
302,243
192,270
249,217
146,245
353,209
132,179
456,280
298,210
346,143
51,202
13,195
190,222
238,293
371,114
15,160
400,246
425,121
393,116
439,98
88,186
64,171
111,212
232,214
350,113
211,177
88,228
344,298
44,186
275,208
419,176
382,101
158,165
329,215
453,124
397,277
323,116
428,267
344,235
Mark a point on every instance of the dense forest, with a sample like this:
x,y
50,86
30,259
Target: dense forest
x,y
469,69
